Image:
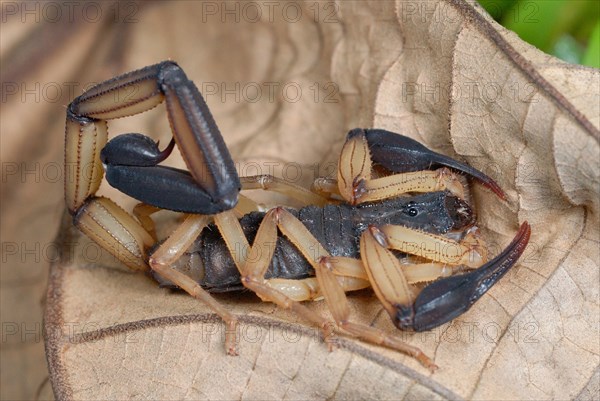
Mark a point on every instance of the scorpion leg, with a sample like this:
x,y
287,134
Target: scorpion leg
x,y
171,250
142,212
332,289
307,289
271,183
398,184
471,251
245,205
326,187
338,304
253,266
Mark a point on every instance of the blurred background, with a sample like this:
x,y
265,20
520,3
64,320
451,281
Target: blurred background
x,y
51,51
569,30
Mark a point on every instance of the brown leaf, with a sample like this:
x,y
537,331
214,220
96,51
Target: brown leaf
x,y
439,71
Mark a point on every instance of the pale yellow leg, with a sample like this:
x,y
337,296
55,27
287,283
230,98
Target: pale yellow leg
x,y
424,272
234,237
333,292
143,212
338,305
413,272
418,181
171,250
244,206
271,183
254,264
327,188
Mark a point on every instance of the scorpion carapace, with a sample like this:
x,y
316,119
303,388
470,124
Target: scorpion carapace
x,y
363,229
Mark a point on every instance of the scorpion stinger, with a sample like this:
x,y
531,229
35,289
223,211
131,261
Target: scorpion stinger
x,y
130,161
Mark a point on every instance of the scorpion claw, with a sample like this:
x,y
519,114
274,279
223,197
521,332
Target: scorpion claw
x,y
401,154
447,298
130,161
134,150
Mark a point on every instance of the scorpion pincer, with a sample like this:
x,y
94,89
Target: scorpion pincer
x,y
394,220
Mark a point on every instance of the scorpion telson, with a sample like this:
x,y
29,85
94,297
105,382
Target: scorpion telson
x,y
365,229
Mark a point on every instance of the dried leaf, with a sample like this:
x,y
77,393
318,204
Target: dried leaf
x,y
440,71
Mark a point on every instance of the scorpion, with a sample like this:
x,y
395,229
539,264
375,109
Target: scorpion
x,y
395,219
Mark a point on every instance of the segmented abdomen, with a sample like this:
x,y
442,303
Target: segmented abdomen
x,y
337,227
332,226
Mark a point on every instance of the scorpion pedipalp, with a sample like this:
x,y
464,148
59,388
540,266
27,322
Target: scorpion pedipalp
x,y
131,164
449,297
401,154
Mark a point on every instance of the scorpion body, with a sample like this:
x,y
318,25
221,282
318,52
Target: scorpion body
x,y
337,227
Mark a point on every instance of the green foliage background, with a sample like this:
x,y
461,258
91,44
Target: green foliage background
x,y
568,29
